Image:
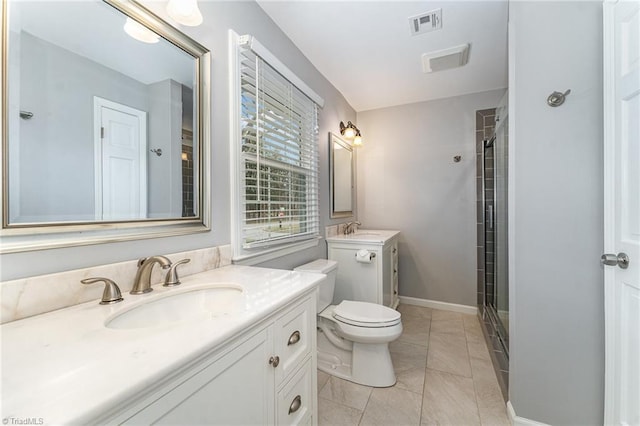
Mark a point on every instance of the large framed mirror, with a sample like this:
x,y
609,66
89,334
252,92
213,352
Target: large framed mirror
x,y
341,177
105,125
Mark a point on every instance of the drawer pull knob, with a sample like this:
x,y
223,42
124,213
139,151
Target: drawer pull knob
x,y
274,361
296,404
294,338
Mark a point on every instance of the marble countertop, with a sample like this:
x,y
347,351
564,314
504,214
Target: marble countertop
x,y
369,236
66,367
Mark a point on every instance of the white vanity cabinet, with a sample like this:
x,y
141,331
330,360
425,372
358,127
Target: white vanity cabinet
x,y
264,376
375,282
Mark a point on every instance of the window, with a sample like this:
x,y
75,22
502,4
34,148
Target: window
x,y
276,158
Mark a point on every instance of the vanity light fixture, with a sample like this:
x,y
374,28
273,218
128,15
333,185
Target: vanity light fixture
x,y
350,131
140,32
185,12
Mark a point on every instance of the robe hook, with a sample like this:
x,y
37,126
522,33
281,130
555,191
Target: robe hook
x,y
556,98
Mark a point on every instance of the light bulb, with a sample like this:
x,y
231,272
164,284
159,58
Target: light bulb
x,y
140,32
349,133
357,141
185,12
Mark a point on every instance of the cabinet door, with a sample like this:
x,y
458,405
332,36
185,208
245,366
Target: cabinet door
x,y
236,389
390,295
395,295
387,277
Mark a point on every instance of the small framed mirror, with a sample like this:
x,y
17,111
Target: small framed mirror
x,y
341,176
105,125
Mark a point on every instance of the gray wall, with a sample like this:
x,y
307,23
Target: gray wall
x,y
58,86
219,17
407,180
556,235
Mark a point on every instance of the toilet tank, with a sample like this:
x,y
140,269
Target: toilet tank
x,y
326,286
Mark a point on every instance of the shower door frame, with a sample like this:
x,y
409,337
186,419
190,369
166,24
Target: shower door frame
x,y
495,337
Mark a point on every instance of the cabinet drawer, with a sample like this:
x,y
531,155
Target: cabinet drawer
x,y
294,404
294,334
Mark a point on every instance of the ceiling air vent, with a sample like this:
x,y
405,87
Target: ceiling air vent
x,y
425,22
445,59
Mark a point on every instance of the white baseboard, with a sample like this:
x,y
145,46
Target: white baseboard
x,y
434,304
520,421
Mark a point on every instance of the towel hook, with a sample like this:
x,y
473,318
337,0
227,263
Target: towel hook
x,y
556,98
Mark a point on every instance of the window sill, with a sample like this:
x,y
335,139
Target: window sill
x,y
275,252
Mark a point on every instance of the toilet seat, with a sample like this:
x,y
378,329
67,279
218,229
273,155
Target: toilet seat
x,y
376,333
364,314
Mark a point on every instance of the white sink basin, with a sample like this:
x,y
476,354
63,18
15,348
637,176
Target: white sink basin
x,y
365,234
201,302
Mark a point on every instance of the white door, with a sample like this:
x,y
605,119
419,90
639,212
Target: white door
x,y
121,165
622,211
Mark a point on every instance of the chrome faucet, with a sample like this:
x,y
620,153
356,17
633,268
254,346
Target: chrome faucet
x,y
142,282
348,227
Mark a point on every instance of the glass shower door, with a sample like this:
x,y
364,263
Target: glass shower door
x,y
496,227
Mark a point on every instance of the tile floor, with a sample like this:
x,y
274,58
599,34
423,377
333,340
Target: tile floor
x,y
444,372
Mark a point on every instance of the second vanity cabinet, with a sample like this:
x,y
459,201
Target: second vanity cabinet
x,y
376,281
265,376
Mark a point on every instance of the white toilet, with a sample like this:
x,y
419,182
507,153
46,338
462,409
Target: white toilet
x,y
353,337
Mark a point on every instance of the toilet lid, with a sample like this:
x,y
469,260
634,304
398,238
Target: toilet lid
x,y
365,314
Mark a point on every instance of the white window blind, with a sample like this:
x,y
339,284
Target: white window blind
x,y
278,170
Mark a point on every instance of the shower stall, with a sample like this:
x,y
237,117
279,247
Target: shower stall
x,y
493,272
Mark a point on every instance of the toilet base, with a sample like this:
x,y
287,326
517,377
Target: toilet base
x,y
373,366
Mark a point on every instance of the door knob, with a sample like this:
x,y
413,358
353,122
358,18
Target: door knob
x,y
621,259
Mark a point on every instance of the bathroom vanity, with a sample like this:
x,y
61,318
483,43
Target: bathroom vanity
x,y
371,278
234,345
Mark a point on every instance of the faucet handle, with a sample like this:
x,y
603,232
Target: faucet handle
x,y
346,227
111,292
172,278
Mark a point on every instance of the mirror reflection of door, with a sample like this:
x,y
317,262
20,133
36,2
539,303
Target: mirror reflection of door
x,y
120,161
